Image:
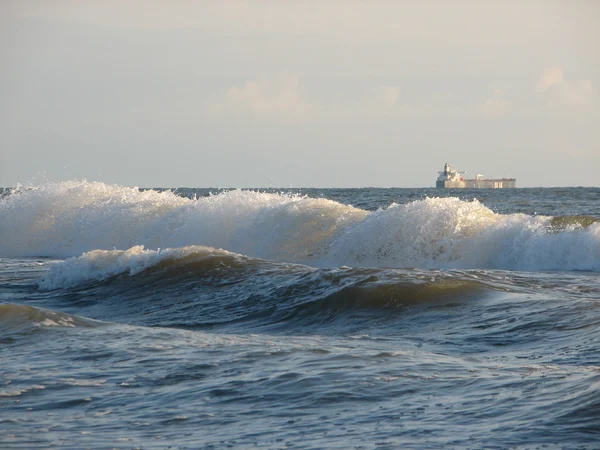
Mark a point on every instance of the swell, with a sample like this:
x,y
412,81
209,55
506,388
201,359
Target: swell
x,y
67,219
211,288
24,319
372,300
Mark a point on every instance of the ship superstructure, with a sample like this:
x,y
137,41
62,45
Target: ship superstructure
x,y
453,179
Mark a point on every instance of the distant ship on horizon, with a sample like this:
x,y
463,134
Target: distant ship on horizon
x,y
453,179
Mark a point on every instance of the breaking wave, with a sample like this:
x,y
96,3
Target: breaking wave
x,y
452,233
67,219
98,265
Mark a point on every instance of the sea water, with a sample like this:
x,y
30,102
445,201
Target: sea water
x,y
307,318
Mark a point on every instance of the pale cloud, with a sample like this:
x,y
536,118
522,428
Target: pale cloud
x,y
386,97
377,101
559,92
278,99
550,76
495,106
570,93
281,99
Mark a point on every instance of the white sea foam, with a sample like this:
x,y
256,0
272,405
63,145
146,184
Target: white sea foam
x,y
451,233
112,223
20,391
69,218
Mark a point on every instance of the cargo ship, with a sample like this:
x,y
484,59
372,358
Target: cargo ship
x,y
453,179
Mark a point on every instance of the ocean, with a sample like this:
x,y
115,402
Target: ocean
x,y
299,318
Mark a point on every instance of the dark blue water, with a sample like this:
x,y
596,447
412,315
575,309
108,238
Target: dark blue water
x,y
323,318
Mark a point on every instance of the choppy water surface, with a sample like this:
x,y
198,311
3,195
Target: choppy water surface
x,y
343,318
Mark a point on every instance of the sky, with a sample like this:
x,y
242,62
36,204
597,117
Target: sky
x,y
299,93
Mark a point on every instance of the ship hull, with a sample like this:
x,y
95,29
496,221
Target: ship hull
x,y
504,183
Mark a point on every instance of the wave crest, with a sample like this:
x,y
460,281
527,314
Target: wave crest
x,y
99,265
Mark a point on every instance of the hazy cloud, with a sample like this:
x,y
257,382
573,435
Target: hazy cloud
x,y
278,99
497,105
385,98
550,76
559,92
570,93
